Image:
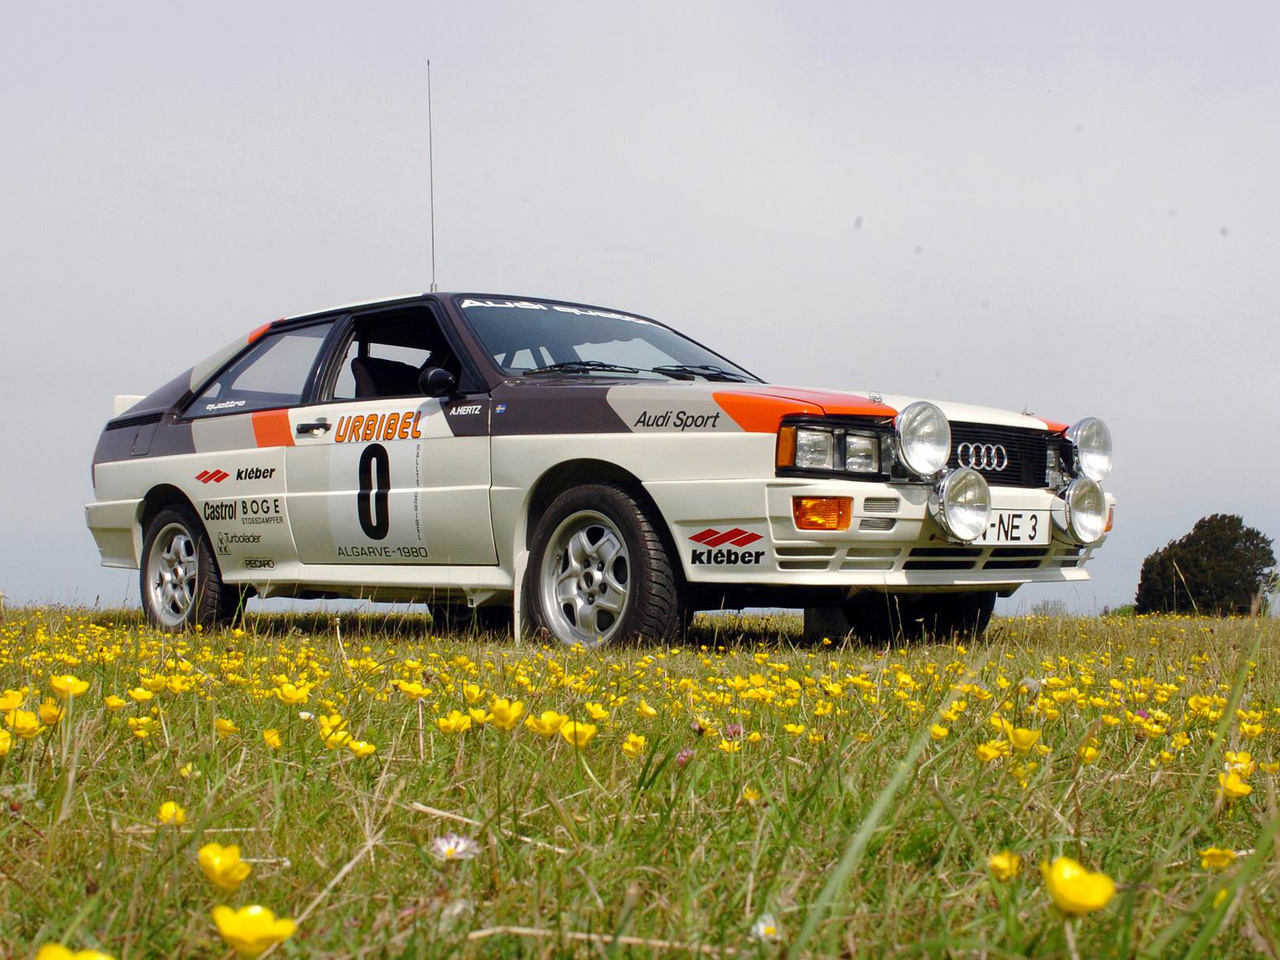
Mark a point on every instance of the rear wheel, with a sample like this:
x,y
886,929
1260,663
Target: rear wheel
x,y
600,572
180,582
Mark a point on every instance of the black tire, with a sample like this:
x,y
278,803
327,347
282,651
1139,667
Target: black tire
x,y
886,618
652,607
199,598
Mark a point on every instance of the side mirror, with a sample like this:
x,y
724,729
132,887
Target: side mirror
x,y
436,382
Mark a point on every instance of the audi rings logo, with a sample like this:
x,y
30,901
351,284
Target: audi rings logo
x,y
983,456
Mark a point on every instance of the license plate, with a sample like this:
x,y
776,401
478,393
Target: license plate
x,y
1028,527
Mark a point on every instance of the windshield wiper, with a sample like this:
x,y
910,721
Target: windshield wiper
x,y
581,366
708,371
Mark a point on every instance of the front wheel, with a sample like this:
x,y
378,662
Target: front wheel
x,y
180,582
600,572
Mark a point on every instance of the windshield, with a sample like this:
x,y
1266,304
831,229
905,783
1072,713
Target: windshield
x,y
536,338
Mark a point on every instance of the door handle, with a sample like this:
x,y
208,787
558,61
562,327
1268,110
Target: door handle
x,y
316,426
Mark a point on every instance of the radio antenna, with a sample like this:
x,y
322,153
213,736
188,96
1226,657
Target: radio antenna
x,y
431,180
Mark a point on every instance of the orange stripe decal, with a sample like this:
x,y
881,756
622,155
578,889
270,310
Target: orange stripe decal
x,y
1055,427
257,333
271,428
763,412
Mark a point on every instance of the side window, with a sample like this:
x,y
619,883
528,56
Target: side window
x,y
271,375
386,352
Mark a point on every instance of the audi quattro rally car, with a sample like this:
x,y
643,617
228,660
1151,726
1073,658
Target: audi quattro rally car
x,y
590,472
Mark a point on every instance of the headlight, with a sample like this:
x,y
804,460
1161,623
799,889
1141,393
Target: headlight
x,y
815,449
829,448
1083,511
961,502
924,438
1091,441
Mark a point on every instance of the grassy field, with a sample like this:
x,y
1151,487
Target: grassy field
x,y
393,792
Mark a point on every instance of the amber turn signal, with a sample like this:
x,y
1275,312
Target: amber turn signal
x,y
786,455
822,513
1111,517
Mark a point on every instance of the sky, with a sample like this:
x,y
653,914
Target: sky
x,y
1071,208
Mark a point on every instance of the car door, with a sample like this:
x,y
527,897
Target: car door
x,y
240,431
379,473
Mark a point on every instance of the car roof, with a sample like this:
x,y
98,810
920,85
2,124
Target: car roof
x,y
387,301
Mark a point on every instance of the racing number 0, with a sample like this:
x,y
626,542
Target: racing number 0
x,y
372,501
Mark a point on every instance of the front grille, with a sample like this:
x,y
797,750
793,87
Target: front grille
x,y
1027,452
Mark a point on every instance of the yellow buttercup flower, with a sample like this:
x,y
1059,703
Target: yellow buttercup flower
x,y
645,710
1231,786
56,951
225,728
12,700
455,722
272,737
142,727
361,748
251,930
1022,739
186,770
795,729
596,712
141,694
50,711
413,690
751,795
548,724
6,742
1269,767
1004,866
634,745
506,713
291,695
223,866
992,750
730,746
67,685
171,813
24,724
1216,858
578,734
938,732
114,703
1074,888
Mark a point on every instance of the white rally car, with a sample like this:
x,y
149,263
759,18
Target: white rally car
x,y
593,473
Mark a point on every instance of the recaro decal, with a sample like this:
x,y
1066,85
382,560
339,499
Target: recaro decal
x,y
719,546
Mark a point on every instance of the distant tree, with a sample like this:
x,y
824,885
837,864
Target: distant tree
x,y
1220,567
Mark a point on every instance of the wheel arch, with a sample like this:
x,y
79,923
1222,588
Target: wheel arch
x,y
157,498
557,479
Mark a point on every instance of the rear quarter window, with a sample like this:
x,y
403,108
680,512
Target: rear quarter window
x,y
273,374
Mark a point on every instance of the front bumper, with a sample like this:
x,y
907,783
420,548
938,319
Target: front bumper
x,y
892,542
